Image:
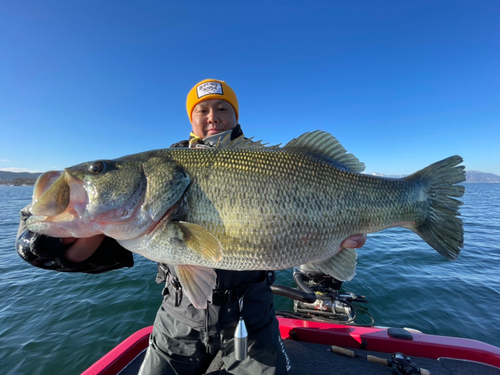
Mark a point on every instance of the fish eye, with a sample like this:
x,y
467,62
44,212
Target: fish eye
x,y
97,167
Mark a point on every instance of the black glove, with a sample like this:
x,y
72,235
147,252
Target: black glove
x,y
47,252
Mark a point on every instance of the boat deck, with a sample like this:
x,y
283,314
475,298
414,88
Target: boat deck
x,y
317,359
308,345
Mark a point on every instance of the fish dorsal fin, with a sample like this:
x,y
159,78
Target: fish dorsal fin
x,y
242,143
318,142
325,144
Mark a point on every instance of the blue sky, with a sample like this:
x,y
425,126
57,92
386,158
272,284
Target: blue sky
x,y
401,84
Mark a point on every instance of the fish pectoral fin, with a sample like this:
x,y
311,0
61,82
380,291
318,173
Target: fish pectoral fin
x,y
197,283
342,266
200,240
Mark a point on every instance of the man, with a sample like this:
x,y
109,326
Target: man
x,y
186,339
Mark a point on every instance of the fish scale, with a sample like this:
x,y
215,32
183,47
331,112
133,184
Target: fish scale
x,y
288,225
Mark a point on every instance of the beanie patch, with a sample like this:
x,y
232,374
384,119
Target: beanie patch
x,y
209,88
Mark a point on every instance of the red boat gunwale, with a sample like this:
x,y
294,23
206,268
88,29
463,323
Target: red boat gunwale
x,y
377,339
373,339
120,356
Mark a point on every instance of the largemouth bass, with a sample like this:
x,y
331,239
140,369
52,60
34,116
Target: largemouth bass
x,y
245,206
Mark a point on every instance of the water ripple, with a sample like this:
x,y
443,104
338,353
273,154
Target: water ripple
x,y
54,323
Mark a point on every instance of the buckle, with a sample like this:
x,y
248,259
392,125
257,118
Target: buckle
x,y
223,296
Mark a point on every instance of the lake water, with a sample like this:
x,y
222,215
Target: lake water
x,y
59,323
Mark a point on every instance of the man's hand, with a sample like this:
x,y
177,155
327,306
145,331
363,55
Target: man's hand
x,y
81,248
354,242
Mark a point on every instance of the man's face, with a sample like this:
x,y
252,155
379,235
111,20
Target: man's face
x,y
212,116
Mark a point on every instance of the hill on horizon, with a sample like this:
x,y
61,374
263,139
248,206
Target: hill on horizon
x,y
8,176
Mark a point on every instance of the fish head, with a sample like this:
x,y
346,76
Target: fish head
x,y
121,198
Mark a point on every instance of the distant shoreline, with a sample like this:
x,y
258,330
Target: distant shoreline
x,y
19,182
27,178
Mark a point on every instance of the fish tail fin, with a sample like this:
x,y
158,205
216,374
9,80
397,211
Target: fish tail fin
x,y
442,229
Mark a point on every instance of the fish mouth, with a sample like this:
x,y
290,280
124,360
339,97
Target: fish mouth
x,y
58,196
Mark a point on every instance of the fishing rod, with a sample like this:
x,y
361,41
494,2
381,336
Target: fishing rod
x,y
402,362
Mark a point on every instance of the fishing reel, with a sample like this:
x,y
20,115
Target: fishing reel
x,y
319,297
330,302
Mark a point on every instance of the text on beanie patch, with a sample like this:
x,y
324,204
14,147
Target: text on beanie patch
x,y
209,88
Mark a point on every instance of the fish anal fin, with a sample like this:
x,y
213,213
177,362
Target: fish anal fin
x,y
341,266
201,241
197,283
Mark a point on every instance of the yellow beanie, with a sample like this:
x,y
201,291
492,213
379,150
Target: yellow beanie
x,y
210,89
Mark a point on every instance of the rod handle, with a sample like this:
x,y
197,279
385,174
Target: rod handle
x,y
381,361
343,351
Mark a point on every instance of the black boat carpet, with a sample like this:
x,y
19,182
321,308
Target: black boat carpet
x,y
316,359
